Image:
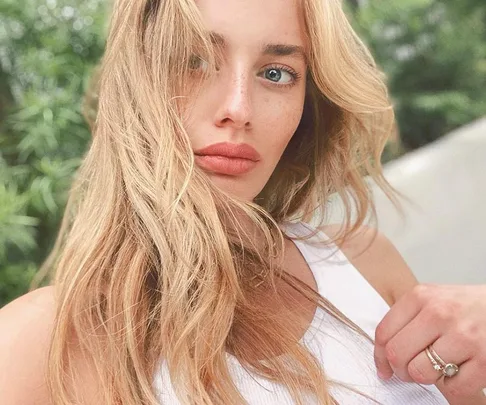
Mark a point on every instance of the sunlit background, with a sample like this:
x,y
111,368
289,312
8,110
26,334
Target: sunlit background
x,y
434,54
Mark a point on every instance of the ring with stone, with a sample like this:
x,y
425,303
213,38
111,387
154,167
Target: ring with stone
x,y
447,369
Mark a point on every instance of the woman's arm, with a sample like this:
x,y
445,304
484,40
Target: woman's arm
x,y
377,259
449,317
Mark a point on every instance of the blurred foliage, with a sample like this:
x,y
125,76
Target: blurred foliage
x,y
433,52
48,50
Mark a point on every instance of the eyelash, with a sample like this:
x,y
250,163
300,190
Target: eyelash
x,y
295,75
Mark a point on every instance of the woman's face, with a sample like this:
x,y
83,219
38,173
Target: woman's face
x,y
253,104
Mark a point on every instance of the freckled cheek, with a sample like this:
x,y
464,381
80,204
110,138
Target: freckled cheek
x,y
279,130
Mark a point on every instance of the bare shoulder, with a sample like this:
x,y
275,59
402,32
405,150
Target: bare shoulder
x,y
26,324
378,260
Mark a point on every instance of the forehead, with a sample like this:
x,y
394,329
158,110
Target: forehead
x,y
254,21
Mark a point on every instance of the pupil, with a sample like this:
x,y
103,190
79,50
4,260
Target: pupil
x,y
274,74
194,62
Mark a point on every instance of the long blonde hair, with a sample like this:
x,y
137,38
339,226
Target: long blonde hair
x,y
151,261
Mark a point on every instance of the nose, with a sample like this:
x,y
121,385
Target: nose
x,y
234,109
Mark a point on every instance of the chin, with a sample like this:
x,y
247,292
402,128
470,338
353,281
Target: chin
x,y
236,186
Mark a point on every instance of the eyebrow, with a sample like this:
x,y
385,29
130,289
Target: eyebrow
x,y
267,49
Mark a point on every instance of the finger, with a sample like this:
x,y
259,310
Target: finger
x,y
383,368
400,314
450,350
466,386
407,344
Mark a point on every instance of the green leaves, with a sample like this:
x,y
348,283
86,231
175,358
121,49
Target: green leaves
x,y
16,228
47,52
434,54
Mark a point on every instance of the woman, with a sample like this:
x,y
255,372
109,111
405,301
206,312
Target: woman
x,y
185,271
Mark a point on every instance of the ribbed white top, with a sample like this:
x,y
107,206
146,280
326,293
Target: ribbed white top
x,y
346,357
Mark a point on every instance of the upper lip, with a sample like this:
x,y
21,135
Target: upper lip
x,y
232,150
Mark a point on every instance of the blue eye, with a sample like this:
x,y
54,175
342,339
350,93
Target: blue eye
x,y
273,74
196,63
281,76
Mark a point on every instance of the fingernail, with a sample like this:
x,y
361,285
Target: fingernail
x,y
383,376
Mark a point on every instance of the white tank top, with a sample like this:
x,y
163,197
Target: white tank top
x,y
346,357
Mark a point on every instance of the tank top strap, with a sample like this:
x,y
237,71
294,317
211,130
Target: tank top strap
x,y
337,278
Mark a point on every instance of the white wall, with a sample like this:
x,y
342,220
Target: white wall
x,y
443,234
443,238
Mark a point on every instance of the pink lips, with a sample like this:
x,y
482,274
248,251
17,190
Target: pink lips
x,y
231,150
227,158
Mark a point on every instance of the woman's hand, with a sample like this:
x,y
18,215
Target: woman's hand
x,y
450,318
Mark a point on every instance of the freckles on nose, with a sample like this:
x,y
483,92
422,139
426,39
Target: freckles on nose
x,y
240,96
240,88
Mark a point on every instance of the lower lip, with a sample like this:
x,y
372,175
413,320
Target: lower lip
x,y
225,165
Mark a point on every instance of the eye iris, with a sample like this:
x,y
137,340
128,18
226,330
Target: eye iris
x,y
194,62
274,74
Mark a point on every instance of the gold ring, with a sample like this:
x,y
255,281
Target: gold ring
x,y
447,369
434,362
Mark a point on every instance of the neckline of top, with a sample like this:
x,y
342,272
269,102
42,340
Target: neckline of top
x,y
318,318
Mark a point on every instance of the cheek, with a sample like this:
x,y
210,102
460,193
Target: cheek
x,y
189,112
281,121
192,107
